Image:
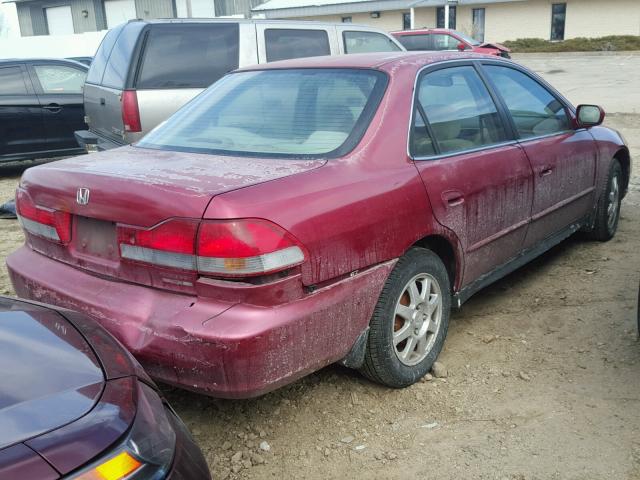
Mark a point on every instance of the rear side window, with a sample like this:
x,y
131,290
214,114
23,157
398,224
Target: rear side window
x,y
60,78
188,56
282,44
415,42
12,81
117,69
365,42
99,63
535,111
455,112
443,42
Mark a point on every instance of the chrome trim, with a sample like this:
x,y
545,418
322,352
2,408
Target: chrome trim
x,y
463,152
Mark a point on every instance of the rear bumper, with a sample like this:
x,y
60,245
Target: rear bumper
x,y
92,142
219,348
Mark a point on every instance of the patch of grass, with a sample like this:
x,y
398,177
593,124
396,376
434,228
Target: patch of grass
x,y
608,44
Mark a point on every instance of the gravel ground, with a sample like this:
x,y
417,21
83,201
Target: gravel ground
x,y
541,368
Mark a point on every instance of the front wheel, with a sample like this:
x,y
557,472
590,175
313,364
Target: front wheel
x,y
608,209
410,321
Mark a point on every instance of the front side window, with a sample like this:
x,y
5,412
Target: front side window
x,y
285,43
12,81
415,42
442,41
454,106
558,17
365,42
60,79
297,113
188,56
535,111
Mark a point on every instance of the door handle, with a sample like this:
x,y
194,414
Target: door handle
x,y
453,198
546,171
52,107
103,101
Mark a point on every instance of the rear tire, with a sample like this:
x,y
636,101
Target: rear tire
x,y
410,320
608,209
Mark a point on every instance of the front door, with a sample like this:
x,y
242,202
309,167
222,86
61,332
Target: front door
x,y
563,159
59,88
478,180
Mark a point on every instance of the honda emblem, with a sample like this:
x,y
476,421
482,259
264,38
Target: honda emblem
x,y
82,196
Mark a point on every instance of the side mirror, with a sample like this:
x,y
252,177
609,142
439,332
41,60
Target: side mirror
x,y
462,47
589,115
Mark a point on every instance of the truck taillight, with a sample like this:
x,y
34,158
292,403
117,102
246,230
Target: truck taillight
x,y
225,248
131,112
43,222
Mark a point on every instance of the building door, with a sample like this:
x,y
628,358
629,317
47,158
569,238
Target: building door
x,y
59,20
478,24
406,21
119,11
558,17
440,18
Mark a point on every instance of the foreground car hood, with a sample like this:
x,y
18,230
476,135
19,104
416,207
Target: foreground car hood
x,y
50,375
144,186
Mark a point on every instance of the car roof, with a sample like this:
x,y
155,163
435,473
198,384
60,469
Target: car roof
x,y
423,31
367,60
42,60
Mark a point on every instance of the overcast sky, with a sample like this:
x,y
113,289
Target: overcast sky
x,y
8,20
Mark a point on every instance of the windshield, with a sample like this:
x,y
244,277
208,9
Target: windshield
x,y
467,38
283,113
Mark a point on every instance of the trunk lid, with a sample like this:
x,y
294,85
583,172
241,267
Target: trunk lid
x,y
51,376
138,187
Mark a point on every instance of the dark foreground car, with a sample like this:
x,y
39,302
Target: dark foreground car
x,y
316,210
75,405
41,106
439,39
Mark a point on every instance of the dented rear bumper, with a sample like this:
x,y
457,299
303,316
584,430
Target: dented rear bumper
x,y
220,348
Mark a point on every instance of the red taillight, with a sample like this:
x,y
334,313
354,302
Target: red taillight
x,y
43,222
130,112
231,248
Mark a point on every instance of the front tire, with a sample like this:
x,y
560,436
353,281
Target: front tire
x,y
608,209
410,321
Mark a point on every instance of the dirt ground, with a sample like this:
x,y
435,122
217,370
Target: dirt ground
x,y
543,367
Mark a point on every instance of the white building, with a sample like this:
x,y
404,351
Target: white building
x,y
493,20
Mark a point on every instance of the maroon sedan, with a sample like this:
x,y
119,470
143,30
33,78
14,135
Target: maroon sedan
x,y
318,210
74,404
440,39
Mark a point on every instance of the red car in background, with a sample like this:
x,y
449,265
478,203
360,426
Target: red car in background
x,y
318,210
440,39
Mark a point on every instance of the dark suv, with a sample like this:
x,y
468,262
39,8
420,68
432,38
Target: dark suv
x,y
40,108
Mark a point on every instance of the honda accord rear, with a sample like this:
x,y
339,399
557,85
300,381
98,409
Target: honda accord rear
x,y
75,405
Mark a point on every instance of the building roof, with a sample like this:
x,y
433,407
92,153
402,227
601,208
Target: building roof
x,y
301,8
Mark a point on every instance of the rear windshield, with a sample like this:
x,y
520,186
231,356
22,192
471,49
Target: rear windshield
x,y
188,56
299,113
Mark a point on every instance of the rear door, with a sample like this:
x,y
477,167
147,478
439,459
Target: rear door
x,y
106,80
563,159
59,88
282,42
21,128
478,180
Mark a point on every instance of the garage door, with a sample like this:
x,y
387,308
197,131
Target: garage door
x,y
59,20
119,11
199,8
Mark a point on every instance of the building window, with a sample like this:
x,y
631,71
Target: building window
x,y
558,17
406,21
478,24
440,18
347,19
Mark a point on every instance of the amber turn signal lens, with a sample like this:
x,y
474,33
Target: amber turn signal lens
x,y
115,468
